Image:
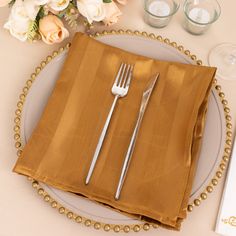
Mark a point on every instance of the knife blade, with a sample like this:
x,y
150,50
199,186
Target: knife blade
x,y
145,99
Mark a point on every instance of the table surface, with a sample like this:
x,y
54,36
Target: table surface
x,y
22,211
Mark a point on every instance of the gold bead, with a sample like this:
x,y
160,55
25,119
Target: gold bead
x,y
199,62
225,158
22,97
203,196
166,41
187,52
209,189
43,64
128,32
197,202
193,57
146,226
214,81
97,225
120,31
54,204
152,35
37,70
136,228
35,184
40,191
18,144
87,223
116,228
180,48
222,95
219,174
136,32
222,166
190,208
46,198
155,226
16,136
226,109
228,118
229,134
97,34
29,82
49,58
18,112
214,182
218,87
144,34
30,178
69,215
33,76
25,90
224,102
159,38
174,44
68,45
19,104
229,125
229,142
104,32
126,228
78,219
227,150
16,128
61,210
55,53
107,227
61,49
17,120
19,152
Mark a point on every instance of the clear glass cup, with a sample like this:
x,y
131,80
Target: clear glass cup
x,y
223,56
200,15
158,13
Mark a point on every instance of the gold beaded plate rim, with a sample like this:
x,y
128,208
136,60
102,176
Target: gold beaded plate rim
x,y
115,227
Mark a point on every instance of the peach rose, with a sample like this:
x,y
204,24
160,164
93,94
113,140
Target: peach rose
x,y
123,2
3,3
52,29
112,13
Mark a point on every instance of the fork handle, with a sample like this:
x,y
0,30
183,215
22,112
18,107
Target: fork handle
x,y
100,141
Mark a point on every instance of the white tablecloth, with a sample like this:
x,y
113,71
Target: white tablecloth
x,y
22,211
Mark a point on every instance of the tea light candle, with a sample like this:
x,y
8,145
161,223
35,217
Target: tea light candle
x,y
158,12
159,8
200,15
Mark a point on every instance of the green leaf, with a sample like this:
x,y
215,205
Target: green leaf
x,y
32,32
40,15
11,3
107,1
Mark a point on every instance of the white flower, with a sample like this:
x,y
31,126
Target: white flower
x,y
41,2
59,5
22,13
93,10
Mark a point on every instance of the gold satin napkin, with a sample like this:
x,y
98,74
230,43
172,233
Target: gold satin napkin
x,y
160,177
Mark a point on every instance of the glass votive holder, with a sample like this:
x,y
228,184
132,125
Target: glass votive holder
x,y
158,13
200,14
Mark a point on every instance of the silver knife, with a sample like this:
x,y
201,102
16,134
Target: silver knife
x,y
145,99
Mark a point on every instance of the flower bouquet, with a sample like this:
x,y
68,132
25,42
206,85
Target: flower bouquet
x,y
43,19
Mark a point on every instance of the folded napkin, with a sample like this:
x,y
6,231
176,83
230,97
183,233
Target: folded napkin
x,y
160,177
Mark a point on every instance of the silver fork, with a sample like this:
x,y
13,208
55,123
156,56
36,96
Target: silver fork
x,y
119,89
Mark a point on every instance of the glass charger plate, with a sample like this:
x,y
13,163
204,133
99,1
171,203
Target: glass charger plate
x,y
214,154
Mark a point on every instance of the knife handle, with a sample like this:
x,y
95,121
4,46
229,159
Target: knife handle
x,y
128,155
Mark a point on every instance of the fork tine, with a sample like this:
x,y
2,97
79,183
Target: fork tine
x,y
130,76
126,76
119,72
122,75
